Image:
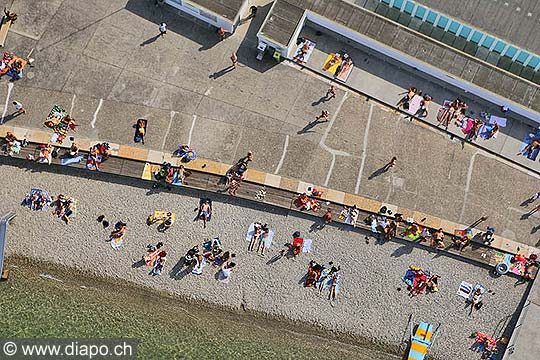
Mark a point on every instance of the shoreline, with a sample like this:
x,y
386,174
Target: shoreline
x,y
370,305
56,272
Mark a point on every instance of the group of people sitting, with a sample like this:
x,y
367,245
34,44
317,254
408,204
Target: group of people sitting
x,y
419,280
485,344
155,258
171,175
37,200
12,66
323,278
307,200
11,145
60,124
236,174
185,153
407,99
212,252
64,207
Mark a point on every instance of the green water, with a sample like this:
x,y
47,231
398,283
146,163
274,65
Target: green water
x,y
88,307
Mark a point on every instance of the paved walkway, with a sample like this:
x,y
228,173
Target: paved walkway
x,y
114,70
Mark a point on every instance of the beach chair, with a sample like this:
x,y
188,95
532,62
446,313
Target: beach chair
x,y
421,341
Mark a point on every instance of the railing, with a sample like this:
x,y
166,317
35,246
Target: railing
x,y
4,221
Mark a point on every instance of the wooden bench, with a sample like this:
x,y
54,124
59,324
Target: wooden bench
x,y
4,28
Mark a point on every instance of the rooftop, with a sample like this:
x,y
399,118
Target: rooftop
x,y
226,8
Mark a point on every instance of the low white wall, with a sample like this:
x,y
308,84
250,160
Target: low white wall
x,y
195,11
428,69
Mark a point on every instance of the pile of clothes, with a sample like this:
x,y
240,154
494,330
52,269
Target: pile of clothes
x,y
419,280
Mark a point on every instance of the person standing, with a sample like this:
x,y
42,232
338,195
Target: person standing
x,y
221,34
19,108
390,164
331,93
234,60
324,115
327,217
162,29
252,11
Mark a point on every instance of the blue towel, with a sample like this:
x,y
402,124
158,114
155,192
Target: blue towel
x,y
409,277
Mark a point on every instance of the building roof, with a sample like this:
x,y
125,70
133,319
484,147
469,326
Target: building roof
x,y
282,21
225,8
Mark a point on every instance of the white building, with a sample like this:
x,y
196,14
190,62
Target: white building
x,y
219,13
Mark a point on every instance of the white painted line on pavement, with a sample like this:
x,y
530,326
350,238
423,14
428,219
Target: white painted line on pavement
x,y
191,130
329,127
168,129
72,105
364,150
93,123
9,88
280,164
469,178
330,170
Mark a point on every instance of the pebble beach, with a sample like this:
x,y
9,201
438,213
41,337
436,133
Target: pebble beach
x,y
373,305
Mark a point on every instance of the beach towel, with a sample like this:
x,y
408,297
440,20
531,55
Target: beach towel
x,y
418,279
468,126
499,120
178,180
117,242
332,69
484,131
268,241
409,277
477,286
71,160
39,192
465,289
250,232
531,155
414,104
224,275
305,58
198,269
306,247
57,113
93,165
149,170
138,136
344,71
322,278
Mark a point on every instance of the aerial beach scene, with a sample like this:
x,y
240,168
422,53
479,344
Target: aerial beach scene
x,y
268,180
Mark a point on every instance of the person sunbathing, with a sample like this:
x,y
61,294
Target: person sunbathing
x,y
473,133
437,239
494,130
333,286
45,154
408,97
256,236
476,301
34,200
119,231
390,231
41,202
263,239
69,208
140,129
535,144
353,215
302,201
432,283
335,58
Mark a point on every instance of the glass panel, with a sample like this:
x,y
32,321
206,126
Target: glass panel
x,y
522,57
409,8
477,36
511,52
431,17
398,3
442,22
499,47
534,62
420,12
454,26
488,41
387,2
465,32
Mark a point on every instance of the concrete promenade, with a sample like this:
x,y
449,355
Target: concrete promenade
x,y
114,70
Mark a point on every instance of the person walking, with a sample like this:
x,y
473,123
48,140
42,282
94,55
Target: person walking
x,y
19,108
234,60
533,210
331,93
324,115
221,34
252,11
162,29
390,164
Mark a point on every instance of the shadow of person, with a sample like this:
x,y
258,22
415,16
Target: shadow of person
x,y
535,229
310,125
525,216
11,117
220,73
323,99
179,271
378,172
149,41
526,202
138,264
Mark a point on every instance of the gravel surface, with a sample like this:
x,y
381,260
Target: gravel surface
x,y
369,305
